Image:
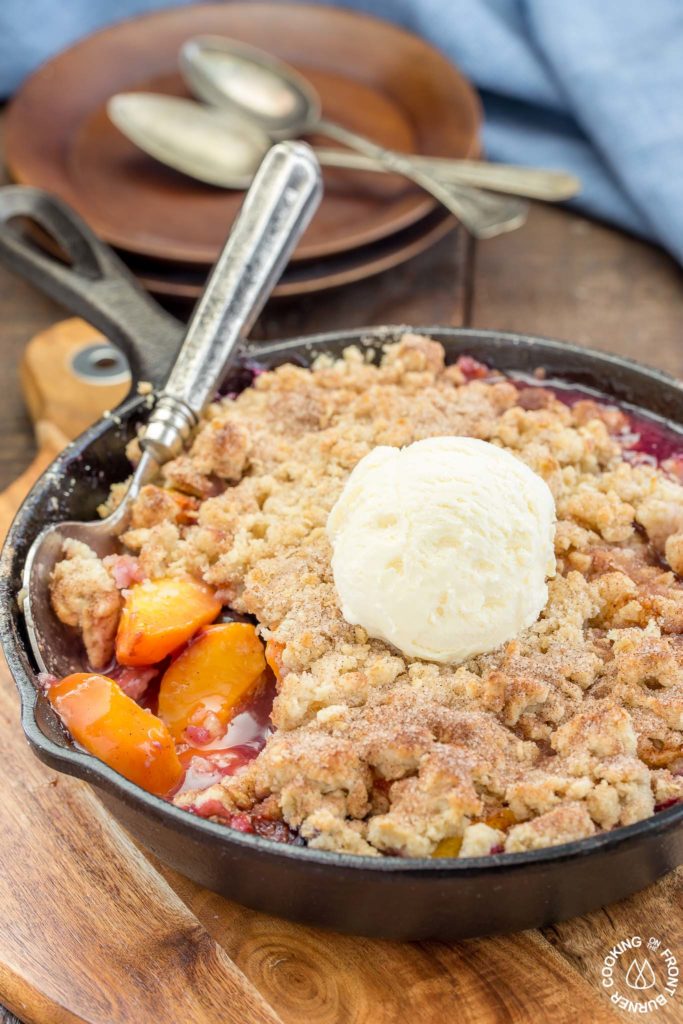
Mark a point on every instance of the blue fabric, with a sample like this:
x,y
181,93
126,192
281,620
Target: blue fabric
x,y
591,86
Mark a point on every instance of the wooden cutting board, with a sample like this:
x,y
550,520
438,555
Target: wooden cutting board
x,y
95,930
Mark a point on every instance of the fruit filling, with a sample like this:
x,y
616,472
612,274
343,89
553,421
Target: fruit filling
x,y
159,616
100,717
226,678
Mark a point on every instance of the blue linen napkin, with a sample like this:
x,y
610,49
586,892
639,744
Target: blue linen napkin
x,y
590,86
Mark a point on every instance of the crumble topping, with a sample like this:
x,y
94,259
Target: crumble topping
x,y
85,595
573,727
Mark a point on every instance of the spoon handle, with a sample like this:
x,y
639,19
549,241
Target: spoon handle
x,y
530,182
277,208
484,215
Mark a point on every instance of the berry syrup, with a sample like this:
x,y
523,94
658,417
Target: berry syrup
x,y
646,439
245,737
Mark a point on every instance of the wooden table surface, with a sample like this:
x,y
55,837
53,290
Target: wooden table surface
x,y
561,276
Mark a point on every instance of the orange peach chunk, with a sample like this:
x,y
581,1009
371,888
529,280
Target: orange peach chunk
x,y
211,678
502,819
448,847
100,717
274,651
160,615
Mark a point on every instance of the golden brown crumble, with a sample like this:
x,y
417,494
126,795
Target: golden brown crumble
x,y
573,727
85,595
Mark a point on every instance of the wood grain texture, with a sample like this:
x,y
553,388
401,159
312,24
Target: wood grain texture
x,y
313,975
657,912
50,441
563,276
53,392
171,282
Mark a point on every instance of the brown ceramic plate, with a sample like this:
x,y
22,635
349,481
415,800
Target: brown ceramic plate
x,y
373,77
185,284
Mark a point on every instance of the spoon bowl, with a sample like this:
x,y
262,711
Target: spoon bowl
x,y
212,144
58,649
271,93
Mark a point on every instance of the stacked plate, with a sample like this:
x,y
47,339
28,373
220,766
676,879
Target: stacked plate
x,y
372,77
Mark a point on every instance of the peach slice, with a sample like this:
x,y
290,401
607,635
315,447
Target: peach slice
x,y
132,741
161,504
274,651
660,758
205,684
502,819
448,847
160,615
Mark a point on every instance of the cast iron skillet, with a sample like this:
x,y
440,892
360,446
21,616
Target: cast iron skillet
x,y
384,896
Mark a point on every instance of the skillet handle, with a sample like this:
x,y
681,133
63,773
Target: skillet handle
x,y
96,285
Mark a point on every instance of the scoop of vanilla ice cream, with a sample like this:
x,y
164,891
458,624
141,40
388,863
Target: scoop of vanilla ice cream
x,y
443,548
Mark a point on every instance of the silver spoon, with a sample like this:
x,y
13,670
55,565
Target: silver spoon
x,y
225,73
222,70
222,147
529,182
276,210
